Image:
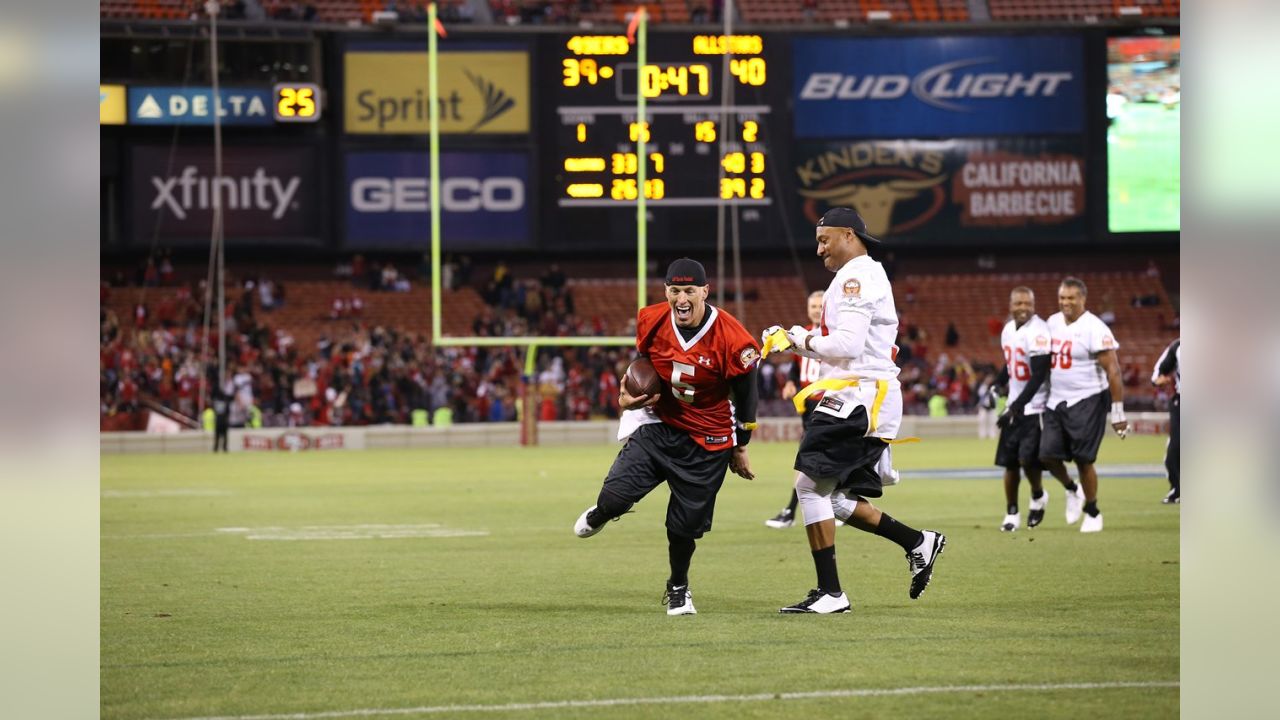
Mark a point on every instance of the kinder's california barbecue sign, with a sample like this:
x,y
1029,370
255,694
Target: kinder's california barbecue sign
x,y
939,190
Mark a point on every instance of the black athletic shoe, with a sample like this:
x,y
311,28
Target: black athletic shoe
x,y
920,561
784,519
679,600
1036,515
820,603
1173,498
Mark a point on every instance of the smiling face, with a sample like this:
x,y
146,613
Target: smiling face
x,y
1022,305
1070,302
815,308
837,246
688,303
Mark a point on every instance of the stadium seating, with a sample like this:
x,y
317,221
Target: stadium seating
x,y
1016,10
789,11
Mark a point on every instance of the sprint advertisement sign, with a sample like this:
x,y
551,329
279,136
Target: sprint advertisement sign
x,y
481,92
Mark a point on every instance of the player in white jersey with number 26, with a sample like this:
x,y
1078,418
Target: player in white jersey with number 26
x,y
1084,384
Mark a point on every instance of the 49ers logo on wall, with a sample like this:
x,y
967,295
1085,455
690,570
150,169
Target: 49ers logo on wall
x,y
294,441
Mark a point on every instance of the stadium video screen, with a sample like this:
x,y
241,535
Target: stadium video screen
x,y
1143,98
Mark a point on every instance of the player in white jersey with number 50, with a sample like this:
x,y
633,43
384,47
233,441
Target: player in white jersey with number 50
x,y
1084,383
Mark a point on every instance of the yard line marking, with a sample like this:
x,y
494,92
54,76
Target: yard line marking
x,y
165,492
696,699
352,532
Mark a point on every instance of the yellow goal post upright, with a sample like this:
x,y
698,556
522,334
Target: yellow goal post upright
x,y
528,385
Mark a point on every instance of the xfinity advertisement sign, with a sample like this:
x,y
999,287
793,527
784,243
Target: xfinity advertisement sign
x,y
938,87
484,197
267,193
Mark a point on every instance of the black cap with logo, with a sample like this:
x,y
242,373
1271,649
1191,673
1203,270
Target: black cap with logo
x,y
686,272
847,218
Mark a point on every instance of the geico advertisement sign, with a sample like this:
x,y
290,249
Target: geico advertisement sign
x,y
265,192
938,87
484,198
479,92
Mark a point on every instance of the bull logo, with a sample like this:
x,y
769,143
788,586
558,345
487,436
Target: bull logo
x,y
874,202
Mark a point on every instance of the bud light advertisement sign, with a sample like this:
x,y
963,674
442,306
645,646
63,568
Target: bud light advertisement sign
x,y
268,193
484,195
938,87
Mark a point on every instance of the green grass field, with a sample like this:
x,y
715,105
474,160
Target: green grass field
x,y
205,614
1144,169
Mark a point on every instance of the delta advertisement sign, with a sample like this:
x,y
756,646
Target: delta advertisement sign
x,y
940,190
481,92
938,86
484,195
266,193
153,105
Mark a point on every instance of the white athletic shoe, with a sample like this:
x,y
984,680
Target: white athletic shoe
x,y
1092,523
1036,514
679,600
820,603
1011,522
1075,505
920,561
582,528
784,519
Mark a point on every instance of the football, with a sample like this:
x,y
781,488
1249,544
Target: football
x,y
641,378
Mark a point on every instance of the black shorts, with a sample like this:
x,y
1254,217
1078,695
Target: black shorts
x,y
1019,444
838,448
658,453
1074,433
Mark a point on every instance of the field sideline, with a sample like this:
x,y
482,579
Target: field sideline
x,y
448,583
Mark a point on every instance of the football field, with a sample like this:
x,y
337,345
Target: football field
x,y
448,583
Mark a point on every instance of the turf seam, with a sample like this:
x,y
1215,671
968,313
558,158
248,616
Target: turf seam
x,y
699,699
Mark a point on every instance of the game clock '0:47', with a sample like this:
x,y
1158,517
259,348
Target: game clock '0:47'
x,y
297,102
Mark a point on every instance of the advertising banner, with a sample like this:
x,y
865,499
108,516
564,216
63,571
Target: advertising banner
x,y
196,106
485,197
481,92
937,190
938,86
111,105
267,193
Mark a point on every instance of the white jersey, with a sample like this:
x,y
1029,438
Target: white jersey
x,y
1176,347
1019,345
861,287
1074,370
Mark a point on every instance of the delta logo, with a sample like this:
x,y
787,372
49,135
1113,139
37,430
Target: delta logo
x,y
895,187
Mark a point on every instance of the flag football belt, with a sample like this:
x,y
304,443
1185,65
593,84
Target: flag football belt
x,y
834,384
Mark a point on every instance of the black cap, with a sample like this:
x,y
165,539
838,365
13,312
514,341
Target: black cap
x,y
686,272
847,218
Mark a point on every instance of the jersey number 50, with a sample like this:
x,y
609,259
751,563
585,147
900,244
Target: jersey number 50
x,y
1061,358
682,390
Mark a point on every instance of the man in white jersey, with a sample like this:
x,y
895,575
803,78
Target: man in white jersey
x,y
1168,371
1084,383
1025,343
851,413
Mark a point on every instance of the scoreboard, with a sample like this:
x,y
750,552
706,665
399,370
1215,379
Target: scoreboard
x,y
706,131
699,150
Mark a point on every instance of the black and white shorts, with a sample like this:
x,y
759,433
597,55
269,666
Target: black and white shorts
x,y
1019,444
834,447
656,453
1075,433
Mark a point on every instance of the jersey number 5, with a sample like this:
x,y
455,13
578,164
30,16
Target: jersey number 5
x,y
682,390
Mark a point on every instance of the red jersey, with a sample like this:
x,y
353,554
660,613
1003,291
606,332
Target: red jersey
x,y
695,373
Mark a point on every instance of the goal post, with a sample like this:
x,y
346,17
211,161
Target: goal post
x,y
528,384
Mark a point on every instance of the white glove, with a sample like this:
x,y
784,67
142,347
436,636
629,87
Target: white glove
x,y
764,336
798,334
1118,418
